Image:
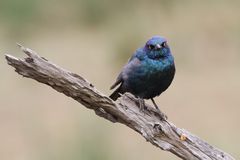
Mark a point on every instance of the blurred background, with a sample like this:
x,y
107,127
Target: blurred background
x,y
94,39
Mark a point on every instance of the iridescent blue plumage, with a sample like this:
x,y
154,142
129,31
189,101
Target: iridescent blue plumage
x,y
148,73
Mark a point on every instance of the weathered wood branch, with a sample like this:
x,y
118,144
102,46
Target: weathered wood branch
x,y
125,110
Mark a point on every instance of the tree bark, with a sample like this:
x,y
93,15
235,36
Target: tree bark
x,y
149,123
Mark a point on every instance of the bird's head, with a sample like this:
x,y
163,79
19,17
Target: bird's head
x,y
157,48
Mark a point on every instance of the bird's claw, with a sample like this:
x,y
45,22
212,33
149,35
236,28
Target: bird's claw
x,y
142,105
162,115
143,108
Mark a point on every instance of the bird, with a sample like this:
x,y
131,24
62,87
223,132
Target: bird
x,y
148,73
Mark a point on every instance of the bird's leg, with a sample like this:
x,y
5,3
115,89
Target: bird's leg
x,y
154,103
161,113
141,103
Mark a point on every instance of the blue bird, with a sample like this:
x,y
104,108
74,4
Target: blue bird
x,y
148,73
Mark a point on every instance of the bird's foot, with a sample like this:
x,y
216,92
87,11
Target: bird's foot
x,y
161,114
142,105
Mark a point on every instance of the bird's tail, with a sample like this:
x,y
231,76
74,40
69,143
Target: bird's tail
x,y
117,93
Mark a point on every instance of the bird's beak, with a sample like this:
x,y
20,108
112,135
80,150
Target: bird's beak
x,y
158,46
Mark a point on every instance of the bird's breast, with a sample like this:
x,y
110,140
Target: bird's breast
x,y
157,67
151,77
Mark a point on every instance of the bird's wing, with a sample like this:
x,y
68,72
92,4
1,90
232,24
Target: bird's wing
x,y
119,79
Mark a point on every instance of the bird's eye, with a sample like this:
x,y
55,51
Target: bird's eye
x,y
150,46
164,44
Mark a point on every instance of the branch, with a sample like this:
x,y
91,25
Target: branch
x,y
125,110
